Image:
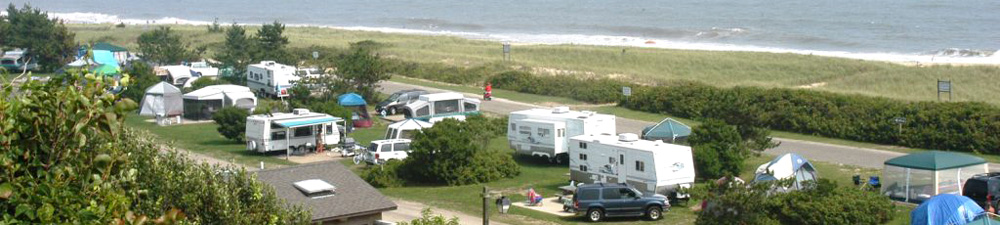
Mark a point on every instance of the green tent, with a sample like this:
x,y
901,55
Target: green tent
x,y
919,176
668,130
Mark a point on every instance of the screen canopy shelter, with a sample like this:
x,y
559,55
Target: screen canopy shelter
x,y
919,176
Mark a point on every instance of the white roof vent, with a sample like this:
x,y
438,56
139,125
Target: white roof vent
x,y
315,188
628,137
560,110
300,111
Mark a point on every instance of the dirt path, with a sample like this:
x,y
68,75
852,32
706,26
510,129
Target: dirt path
x,y
408,211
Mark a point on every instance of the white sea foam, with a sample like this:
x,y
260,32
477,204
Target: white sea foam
x,y
580,39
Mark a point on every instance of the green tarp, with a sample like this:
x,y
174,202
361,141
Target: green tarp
x,y
668,130
935,160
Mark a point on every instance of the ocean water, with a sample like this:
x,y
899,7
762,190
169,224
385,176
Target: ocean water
x,y
888,30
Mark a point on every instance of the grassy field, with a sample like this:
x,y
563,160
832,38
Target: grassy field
x,y
204,139
641,65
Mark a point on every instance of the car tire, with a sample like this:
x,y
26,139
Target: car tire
x,y
595,215
392,110
654,213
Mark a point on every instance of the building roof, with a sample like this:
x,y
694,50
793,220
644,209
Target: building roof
x,y
935,160
562,112
353,196
641,145
217,92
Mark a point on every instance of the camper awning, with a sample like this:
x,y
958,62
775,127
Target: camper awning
x,y
309,121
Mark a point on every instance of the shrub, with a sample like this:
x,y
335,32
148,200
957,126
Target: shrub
x,y
720,149
384,175
589,89
232,122
454,153
823,202
426,218
100,172
205,82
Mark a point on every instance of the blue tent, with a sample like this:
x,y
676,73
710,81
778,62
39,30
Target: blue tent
x,y
945,209
351,99
668,130
789,165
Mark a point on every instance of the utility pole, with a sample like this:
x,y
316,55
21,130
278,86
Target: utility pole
x,y
486,206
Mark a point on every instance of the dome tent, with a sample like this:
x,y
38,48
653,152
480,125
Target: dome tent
x,y
668,130
162,100
945,209
405,129
919,176
360,116
789,165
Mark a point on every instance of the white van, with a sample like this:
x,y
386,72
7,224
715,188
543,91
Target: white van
x,y
380,151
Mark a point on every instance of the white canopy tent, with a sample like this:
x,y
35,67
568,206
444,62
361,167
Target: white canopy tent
x,y
405,129
162,100
202,103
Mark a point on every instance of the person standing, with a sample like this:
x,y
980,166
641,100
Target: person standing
x,y
489,91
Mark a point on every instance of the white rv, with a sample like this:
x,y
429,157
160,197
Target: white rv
x,y
650,166
438,106
296,131
546,132
271,78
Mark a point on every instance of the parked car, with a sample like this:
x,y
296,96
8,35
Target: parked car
x,y
602,200
396,101
381,151
983,187
203,69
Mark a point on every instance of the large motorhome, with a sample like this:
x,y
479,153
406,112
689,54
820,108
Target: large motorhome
x,y
296,131
650,166
269,78
545,132
435,107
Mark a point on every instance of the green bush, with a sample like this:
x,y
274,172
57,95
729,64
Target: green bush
x,y
720,149
232,122
205,82
454,153
426,218
823,202
589,89
384,175
445,73
67,158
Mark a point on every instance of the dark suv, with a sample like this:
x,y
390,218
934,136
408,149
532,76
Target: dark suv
x,y
613,200
981,187
396,101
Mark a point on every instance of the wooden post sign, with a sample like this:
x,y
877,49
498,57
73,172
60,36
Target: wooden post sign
x,y
944,86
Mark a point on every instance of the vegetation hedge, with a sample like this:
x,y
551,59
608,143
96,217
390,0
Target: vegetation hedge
x,y
591,90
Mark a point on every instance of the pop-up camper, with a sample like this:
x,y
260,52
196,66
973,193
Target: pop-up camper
x,y
438,106
650,166
545,132
296,131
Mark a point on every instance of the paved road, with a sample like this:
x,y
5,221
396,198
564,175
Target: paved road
x,y
862,157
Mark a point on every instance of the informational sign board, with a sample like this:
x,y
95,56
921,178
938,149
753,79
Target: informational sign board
x,y
944,86
315,55
626,91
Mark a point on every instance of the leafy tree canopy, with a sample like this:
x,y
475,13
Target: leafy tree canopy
x,y
45,41
163,46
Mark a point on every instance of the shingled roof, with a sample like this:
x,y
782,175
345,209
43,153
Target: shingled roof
x,y
353,197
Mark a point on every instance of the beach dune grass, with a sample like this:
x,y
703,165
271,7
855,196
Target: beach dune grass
x,y
640,65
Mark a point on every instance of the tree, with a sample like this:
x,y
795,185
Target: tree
x,y
272,43
361,71
236,53
142,78
163,46
720,149
452,152
68,158
45,41
426,218
232,122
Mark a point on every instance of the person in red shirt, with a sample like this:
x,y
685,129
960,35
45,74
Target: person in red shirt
x,y
489,91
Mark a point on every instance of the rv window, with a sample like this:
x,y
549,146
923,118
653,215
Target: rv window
x,y
622,159
329,129
543,132
583,168
513,127
611,193
303,131
640,166
560,132
583,145
390,134
280,135
583,156
447,106
423,111
611,160
402,146
407,134
470,107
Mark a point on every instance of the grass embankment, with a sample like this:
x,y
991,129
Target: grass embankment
x,y
642,65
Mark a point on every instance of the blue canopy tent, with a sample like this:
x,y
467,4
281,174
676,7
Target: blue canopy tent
x,y
361,118
668,130
789,165
945,209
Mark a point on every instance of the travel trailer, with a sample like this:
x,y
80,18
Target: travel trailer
x,y
297,131
177,75
650,166
545,132
269,78
438,106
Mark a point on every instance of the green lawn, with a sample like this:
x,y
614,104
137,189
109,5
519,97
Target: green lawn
x,y
203,138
